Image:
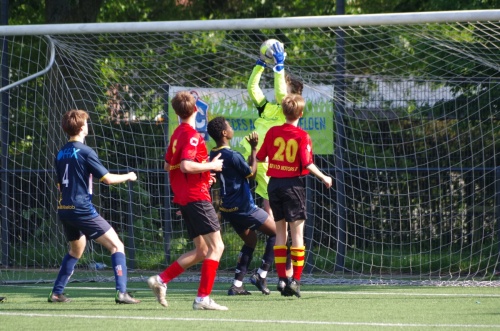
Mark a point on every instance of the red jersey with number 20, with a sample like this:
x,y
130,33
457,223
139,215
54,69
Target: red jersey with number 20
x,y
289,149
187,144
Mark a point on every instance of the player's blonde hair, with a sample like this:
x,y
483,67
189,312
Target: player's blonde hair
x,y
293,106
73,120
184,104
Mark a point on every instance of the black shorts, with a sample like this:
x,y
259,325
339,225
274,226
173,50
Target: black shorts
x,y
243,221
92,229
200,218
287,198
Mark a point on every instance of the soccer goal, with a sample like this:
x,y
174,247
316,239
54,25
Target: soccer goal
x,y
403,110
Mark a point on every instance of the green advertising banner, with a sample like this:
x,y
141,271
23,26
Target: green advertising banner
x,y
235,105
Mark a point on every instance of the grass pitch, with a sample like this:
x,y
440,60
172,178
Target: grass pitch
x,y
324,307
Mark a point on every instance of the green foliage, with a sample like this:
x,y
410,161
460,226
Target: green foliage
x,y
398,6
128,10
32,11
26,12
23,146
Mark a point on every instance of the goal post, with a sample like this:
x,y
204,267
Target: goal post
x,y
408,126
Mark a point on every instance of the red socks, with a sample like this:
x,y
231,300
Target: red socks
x,y
171,272
208,273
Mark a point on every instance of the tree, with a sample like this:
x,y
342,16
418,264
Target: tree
x,y
88,11
406,6
53,11
72,11
26,12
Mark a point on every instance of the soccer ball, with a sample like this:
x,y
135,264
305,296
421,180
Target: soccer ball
x,y
266,51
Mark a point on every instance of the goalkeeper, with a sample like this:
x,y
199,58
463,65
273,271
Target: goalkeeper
x,y
270,113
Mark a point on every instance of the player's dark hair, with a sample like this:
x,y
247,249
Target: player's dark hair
x,y
215,128
296,86
73,120
293,105
184,104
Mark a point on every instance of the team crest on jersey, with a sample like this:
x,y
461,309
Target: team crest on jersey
x,y
308,147
193,141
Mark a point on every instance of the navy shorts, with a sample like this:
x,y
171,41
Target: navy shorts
x,y
287,198
243,221
200,218
92,229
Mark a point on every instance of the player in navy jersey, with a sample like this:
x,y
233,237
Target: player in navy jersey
x,y
76,164
238,207
289,151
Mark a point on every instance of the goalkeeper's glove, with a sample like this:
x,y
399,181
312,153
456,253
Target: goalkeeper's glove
x,y
279,57
260,63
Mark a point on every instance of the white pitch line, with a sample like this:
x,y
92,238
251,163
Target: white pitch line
x,y
456,295
218,320
410,294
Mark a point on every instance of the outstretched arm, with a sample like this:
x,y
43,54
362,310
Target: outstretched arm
x,y
254,91
280,88
191,167
116,179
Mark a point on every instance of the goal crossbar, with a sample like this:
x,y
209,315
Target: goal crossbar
x,y
255,23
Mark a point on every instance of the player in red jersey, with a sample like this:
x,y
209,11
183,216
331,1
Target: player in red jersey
x,y
189,168
289,149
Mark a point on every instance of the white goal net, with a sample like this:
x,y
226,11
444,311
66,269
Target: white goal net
x,y
403,111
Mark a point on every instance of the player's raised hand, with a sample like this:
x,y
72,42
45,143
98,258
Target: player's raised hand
x,y
253,139
217,163
279,56
260,63
132,176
